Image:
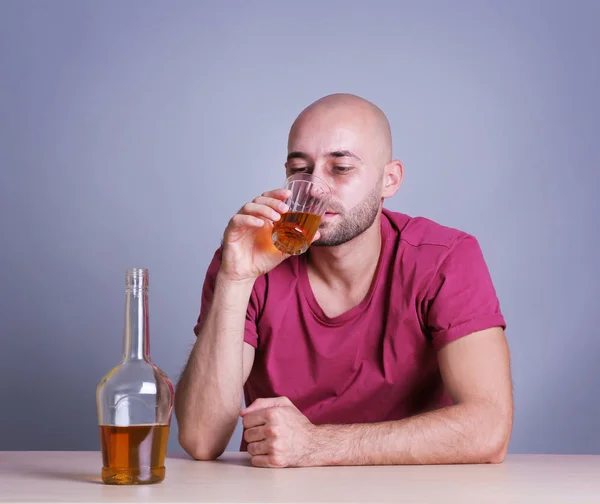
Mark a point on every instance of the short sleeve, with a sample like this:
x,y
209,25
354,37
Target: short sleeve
x,y
461,298
250,332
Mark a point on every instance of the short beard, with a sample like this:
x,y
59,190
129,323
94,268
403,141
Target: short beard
x,y
358,220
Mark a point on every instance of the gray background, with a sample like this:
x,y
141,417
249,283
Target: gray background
x,y
130,132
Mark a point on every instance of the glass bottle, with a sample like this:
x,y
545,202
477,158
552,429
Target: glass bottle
x,y
134,400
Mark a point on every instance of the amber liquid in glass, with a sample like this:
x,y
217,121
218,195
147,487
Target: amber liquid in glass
x,y
295,231
133,455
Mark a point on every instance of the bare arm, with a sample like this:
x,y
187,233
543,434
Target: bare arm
x,y
209,393
476,429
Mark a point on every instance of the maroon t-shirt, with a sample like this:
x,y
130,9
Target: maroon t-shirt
x,y
377,361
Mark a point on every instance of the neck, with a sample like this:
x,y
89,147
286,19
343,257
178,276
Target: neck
x,y
341,266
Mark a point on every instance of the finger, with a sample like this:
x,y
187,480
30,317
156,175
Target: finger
x,y
275,204
280,194
260,211
264,403
255,434
264,461
316,237
254,419
260,461
258,448
241,220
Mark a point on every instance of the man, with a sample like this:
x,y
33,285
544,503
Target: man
x,y
383,344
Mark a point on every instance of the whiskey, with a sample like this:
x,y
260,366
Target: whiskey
x,y
295,231
133,455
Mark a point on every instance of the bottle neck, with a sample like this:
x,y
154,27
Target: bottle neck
x,y
136,337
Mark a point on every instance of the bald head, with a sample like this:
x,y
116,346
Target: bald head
x,y
346,141
347,110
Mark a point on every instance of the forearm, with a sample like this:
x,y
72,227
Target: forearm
x,y
209,393
475,432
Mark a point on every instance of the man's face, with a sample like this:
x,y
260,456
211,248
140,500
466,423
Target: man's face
x,y
338,146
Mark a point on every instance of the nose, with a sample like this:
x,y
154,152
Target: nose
x,y
320,191
320,170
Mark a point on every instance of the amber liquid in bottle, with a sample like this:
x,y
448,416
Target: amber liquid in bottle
x,y
133,455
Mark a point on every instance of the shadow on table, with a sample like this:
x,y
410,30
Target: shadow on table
x,y
68,476
228,459
44,474
179,456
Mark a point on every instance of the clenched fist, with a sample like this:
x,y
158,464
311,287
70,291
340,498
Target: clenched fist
x,y
278,434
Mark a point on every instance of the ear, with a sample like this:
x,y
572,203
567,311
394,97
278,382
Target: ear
x,y
393,174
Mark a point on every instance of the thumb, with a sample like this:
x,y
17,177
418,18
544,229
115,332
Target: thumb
x,y
316,237
264,403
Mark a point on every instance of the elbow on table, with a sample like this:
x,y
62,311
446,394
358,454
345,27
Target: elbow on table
x,y
196,448
497,455
497,446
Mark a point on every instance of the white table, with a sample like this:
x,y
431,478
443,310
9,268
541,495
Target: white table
x,y
74,477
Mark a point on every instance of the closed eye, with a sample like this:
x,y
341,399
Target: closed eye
x,y
343,169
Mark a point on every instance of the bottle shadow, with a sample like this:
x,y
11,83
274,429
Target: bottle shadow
x,y
82,477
